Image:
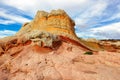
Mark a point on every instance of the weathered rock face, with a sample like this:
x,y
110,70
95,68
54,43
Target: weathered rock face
x,y
56,22
53,25
48,49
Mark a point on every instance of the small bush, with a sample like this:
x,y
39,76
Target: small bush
x,y
88,53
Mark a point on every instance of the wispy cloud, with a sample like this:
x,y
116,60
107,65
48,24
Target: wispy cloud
x,y
92,15
6,22
111,31
4,33
11,15
14,18
70,6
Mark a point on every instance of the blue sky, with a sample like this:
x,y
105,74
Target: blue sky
x,y
94,18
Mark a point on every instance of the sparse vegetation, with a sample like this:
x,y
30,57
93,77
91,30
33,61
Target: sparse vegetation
x,y
88,53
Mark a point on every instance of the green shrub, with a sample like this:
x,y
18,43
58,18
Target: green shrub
x,y
88,53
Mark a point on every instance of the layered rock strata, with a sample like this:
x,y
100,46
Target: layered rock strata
x,y
55,24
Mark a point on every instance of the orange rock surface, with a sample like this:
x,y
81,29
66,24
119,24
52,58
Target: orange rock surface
x,y
57,22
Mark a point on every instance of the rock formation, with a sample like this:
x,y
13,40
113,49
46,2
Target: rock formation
x,y
47,48
55,24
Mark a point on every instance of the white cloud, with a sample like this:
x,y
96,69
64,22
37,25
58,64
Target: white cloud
x,y
111,27
111,31
27,5
4,33
96,9
71,6
6,22
114,16
90,15
12,18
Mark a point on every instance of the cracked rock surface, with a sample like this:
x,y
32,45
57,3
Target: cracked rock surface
x,y
67,62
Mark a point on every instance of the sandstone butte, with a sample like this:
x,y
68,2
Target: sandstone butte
x,y
47,48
